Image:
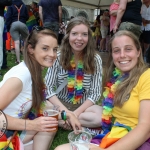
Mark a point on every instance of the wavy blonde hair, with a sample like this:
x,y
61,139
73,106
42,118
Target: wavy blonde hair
x,y
125,87
88,52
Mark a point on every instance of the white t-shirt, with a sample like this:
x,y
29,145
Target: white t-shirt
x,y
22,103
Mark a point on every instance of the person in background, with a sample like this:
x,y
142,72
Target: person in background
x,y
24,106
16,18
51,14
78,71
124,126
113,13
97,30
2,7
62,31
104,30
129,16
35,11
145,36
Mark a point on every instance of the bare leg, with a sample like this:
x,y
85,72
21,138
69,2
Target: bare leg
x,y
43,140
63,147
17,50
102,44
28,147
67,147
146,46
91,117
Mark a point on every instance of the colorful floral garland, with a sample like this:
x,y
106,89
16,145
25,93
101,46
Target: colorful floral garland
x,y
108,101
75,84
34,113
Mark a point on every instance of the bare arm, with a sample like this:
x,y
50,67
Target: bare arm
x,y
120,12
113,12
138,135
83,107
41,13
55,101
60,13
8,92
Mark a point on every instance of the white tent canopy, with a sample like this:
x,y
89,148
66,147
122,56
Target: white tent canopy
x,y
89,4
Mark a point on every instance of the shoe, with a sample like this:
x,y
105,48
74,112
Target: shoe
x,y
17,62
93,131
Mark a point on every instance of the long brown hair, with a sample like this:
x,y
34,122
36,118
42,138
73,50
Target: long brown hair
x,y
125,87
88,52
34,67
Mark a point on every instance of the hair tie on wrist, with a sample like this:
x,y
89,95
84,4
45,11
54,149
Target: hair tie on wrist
x,y
25,125
63,115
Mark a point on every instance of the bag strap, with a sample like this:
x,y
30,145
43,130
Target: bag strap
x,y
61,86
18,11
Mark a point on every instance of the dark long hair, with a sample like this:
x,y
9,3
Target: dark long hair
x,y
34,67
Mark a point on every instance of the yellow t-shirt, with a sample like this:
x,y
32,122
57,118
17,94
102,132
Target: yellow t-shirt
x,y
128,114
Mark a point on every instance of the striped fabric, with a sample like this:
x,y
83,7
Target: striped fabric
x,y
91,83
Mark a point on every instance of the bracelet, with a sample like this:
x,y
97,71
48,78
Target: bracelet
x,y
25,125
63,115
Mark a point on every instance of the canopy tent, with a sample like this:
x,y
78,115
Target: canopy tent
x,y
89,4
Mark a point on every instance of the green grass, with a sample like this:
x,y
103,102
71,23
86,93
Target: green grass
x,y
61,136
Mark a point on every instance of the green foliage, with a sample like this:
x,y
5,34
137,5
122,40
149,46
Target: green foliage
x,y
61,137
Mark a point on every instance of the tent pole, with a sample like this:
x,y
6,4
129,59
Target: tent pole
x,y
98,6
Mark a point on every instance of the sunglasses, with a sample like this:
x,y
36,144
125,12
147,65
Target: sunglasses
x,y
37,28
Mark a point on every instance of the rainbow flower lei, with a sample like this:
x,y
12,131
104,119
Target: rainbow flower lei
x,y
108,101
34,113
75,84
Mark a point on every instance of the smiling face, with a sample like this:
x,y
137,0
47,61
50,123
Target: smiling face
x,y
45,51
124,53
78,38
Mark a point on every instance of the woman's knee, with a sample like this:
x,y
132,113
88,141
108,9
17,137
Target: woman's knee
x,y
63,147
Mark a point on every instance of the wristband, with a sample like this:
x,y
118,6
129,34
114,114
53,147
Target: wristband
x,y
63,115
25,125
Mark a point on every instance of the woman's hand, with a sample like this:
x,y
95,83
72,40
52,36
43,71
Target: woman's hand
x,y
115,29
73,120
44,124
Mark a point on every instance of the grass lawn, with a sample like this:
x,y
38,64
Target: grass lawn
x,y
61,136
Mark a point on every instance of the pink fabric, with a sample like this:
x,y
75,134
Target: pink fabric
x,y
113,6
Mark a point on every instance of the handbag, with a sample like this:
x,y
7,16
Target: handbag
x,y
5,2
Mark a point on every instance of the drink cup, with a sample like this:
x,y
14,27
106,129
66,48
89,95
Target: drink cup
x,y
52,111
80,140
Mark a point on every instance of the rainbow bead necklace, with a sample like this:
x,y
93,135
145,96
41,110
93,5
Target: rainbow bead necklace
x,y
34,113
108,101
75,81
